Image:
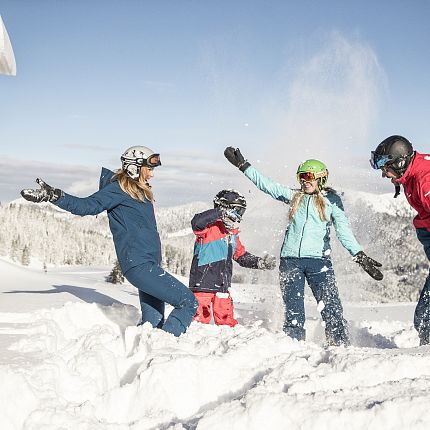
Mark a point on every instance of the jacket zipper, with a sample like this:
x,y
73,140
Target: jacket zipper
x,y
304,224
223,285
207,265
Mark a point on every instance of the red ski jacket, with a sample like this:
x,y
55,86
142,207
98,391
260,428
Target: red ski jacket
x,y
416,184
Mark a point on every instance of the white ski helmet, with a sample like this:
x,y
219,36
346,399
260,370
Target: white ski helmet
x,y
136,157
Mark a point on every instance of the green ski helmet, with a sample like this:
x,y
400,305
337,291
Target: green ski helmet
x,y
313,169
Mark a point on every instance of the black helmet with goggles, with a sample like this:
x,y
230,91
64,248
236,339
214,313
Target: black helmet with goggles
x,y
395,152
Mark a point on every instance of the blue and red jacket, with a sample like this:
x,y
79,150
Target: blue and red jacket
x,y
214,251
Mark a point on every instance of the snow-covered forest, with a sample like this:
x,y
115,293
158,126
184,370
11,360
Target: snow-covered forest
x,y
51,237
48,236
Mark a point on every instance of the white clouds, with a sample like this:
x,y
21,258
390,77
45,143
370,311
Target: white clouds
x,y
83,187
181,178
16,174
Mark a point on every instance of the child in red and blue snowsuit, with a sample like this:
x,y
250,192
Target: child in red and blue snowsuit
x,y
217,245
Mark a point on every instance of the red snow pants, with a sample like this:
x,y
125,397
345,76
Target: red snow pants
x,y
222,309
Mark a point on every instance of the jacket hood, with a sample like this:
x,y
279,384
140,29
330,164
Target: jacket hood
x,y
105,177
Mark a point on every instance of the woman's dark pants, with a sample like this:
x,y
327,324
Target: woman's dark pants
x,y
319,274
157,287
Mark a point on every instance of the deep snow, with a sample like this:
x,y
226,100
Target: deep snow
x,y
72,357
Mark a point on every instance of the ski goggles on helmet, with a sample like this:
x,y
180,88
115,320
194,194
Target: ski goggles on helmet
x,y
307,176
240,210
378,161
152,161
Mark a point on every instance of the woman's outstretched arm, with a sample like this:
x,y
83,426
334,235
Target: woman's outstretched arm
x,y
263,183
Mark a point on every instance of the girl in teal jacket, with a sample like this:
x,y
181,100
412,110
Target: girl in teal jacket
x,y
305,253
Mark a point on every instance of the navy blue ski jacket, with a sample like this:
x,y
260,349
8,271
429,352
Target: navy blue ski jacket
x,y
131,222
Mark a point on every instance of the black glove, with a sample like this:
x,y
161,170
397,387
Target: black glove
x,y
236,158
268,262
46,193
369,265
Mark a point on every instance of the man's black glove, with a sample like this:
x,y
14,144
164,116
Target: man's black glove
x,y
236,158
45,193
268,262
369,265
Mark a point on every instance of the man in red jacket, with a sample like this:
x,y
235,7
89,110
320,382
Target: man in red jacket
x,y
399,162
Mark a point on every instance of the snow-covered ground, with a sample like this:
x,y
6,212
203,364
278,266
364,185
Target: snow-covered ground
x,y
72,357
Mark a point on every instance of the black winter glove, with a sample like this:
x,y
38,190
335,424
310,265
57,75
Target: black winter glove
x,y
369,265
236,158
46,193
268,262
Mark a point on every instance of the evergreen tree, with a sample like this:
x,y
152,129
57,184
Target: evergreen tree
x,y
116,276
14,250
25,257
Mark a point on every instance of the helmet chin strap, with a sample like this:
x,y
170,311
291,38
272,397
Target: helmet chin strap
x,y
396,190
400,173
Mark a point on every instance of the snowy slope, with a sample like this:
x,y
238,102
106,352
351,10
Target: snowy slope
x,y
381,203
71,357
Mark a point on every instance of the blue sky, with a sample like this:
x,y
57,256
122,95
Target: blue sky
x,y
282,80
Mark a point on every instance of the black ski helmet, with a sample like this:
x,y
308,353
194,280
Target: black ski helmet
x,y
395,152
230,199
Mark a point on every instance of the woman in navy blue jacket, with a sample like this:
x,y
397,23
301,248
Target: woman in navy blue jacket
x,y
128,199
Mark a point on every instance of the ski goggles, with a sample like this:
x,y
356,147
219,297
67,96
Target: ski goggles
x,y
240,210
152,161
310,176
306,176
379,161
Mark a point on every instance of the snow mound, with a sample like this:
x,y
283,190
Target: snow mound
x,y
88,366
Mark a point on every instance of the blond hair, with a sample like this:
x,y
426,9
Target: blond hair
x,y
318,200
138,190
